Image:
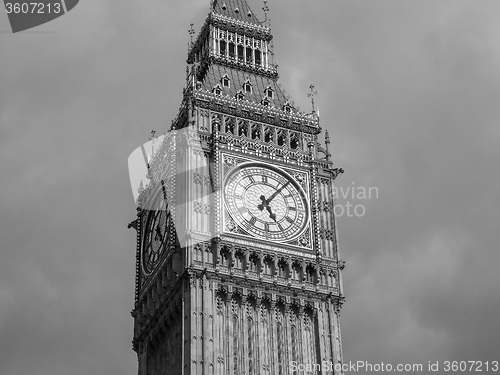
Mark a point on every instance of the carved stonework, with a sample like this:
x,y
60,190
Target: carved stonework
x,y
329,234
341,264
227,298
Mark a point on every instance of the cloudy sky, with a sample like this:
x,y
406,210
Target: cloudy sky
x,y
410,93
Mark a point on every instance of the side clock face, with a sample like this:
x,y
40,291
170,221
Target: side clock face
x,y
266,202
155,237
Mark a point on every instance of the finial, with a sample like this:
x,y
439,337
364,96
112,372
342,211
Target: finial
x,y
335,174
133,224
191,33
312,94
327,142
153,132
266,10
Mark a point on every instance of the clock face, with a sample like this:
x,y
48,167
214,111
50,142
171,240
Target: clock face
x,y
155,237
266,202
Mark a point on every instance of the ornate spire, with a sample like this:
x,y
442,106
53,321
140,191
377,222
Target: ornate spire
x,y
327,143
266,10
312,94
152,138
191,33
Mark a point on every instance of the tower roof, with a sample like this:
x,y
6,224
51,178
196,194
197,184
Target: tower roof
x,y
232,62
238,78
235,9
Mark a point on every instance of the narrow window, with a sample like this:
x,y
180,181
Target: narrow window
x,y
256,131
231,50
238,261
296,272
230,125
282,269
258,58
224,259
240,53
310,275
281,138
249,55
268,267
222,48
253,266
243,128
269,135
294,141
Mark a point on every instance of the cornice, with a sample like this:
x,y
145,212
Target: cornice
x,y
271,72
241,27
265,287
256,112
231,25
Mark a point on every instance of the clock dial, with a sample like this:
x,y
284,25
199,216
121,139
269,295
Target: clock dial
x,y
266,202
155,237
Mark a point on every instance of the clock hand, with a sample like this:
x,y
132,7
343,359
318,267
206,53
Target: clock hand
x,y
276,193
158,233
271,215
263,204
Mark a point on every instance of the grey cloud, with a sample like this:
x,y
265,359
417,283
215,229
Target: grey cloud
x,y
408,92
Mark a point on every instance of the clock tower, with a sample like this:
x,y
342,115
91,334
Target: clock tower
x,y
237,260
